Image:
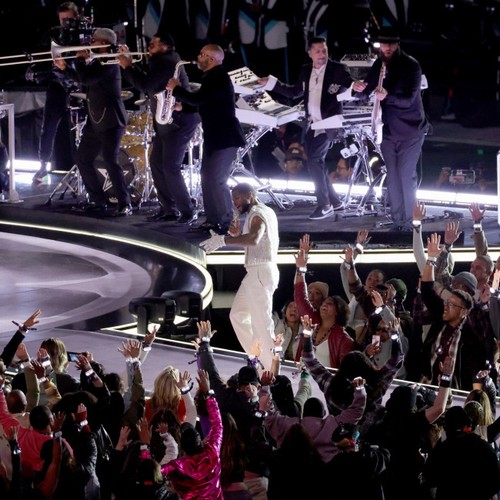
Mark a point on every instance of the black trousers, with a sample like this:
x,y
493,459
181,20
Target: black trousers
x,y
107,142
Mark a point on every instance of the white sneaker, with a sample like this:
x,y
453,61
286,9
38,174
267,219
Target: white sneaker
x,y
321,213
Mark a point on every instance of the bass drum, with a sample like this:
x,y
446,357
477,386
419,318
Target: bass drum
x,y
128,167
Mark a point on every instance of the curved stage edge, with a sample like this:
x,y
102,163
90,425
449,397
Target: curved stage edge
x,y
172,263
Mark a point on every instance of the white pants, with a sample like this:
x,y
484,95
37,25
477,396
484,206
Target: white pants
x,y
252,311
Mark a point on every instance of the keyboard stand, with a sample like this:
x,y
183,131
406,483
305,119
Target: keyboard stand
x,y
238,168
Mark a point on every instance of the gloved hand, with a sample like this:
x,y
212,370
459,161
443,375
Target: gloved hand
x,y
213,243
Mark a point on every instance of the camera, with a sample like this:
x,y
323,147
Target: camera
x,y
462,176
75,32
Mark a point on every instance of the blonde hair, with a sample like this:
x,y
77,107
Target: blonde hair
x,y
166,395
57,353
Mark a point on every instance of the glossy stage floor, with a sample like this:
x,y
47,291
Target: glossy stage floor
x,y
83,271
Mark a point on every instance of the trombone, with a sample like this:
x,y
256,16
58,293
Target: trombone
x,y
56,51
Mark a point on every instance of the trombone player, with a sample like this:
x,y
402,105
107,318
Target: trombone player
x,y
105,125
170,139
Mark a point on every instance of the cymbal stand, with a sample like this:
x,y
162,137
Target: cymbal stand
x,y
362,172
191,171
72,180
251,139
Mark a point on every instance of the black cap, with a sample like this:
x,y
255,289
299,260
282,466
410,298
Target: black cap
x,y
248,375
387,34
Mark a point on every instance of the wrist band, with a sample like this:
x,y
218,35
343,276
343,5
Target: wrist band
x,y
42,380
416,223
146,347
307,333
359,247
187,388
431,263
83,423
302,269
379,309
432,259
205,339
46,363
89,373
57,435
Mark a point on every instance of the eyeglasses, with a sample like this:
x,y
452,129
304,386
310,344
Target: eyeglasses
x,y
452,304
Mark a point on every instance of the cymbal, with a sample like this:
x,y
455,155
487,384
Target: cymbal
x,y
141,102
126,94
79,95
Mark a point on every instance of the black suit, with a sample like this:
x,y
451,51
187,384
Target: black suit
x,y
335,81
103,130
170,141
222,136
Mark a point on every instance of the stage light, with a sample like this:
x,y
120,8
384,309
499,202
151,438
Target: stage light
x,y
152,310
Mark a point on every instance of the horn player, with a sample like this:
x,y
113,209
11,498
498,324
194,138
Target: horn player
x,y
170,139
104,128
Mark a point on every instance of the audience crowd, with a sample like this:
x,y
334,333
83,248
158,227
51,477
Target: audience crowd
x,y
103,436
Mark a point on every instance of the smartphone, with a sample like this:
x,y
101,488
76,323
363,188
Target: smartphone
x,y
73,356
376,339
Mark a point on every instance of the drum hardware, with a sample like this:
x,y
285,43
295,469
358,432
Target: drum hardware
x,y
357,143
251,139
72,180
191,171
126,95
142,181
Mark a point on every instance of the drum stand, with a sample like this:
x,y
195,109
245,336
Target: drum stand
x,y
191,172
251,139
362,170
71,181
142,181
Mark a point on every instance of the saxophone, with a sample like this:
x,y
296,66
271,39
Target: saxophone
x,y
166,101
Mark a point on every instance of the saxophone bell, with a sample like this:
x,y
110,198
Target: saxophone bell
x,y
166,101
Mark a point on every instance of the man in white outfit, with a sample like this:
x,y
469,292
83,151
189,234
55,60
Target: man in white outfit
x,y
251,312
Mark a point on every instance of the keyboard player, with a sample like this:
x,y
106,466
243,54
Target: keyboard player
x,y
319,83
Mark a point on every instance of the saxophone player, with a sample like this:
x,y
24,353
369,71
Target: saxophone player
x,y
170,139
222,134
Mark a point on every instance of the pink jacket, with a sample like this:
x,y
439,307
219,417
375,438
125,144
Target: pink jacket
x,y
198,476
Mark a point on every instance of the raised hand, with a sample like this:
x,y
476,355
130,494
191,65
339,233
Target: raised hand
x,y
419,211
433,245
205,330
476,213
32,320
305,245
451,232
150,337
203,381
362,238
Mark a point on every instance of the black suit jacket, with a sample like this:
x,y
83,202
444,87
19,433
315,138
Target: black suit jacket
x,y
104,103
154,79
216,105
336,80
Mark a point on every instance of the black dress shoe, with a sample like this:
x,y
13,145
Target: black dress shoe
x,y
162,217
86,208
185,218
123,211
